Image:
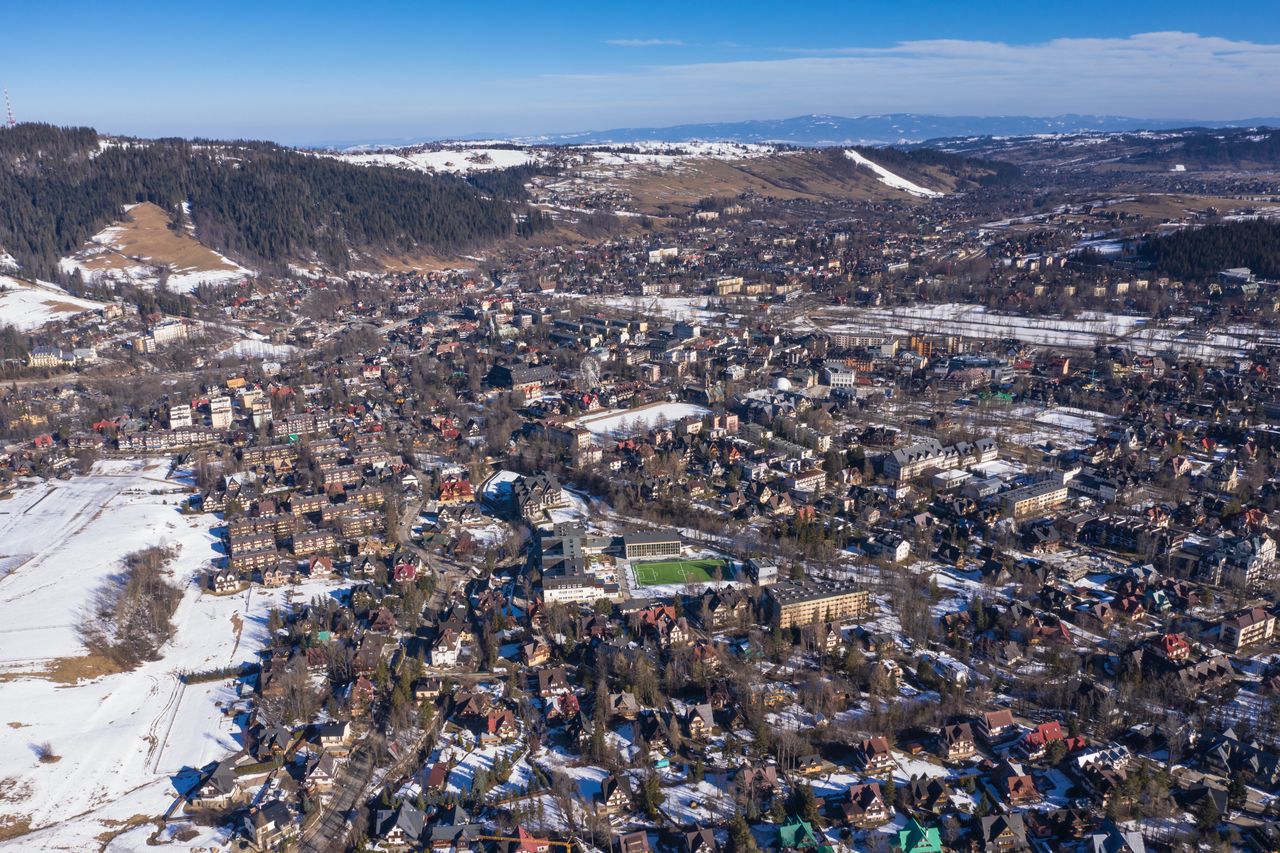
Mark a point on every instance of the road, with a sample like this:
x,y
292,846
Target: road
x,y
329,831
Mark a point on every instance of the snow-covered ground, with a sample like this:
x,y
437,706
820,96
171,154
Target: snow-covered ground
x,y
256,346
454,160
577,509
185,281
688,308
1077,423
28,305
124,739
491,533
889,179
976,321
1086,330
627,422
496,489
669,153
218,271
93,521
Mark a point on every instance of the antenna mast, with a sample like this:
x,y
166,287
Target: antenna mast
x,y
8,108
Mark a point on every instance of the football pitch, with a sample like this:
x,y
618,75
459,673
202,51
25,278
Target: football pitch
x,y
679,571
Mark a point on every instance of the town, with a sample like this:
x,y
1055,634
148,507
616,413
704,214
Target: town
x,y
781,525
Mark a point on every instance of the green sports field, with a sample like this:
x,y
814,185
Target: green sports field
x,y
679,571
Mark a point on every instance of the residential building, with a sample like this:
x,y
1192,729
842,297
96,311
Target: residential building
x,y
802,602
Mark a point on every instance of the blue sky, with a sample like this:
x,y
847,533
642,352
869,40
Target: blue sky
x,y
325,71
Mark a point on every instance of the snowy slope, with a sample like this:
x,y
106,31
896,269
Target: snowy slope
x,y
28,305
478,158
666,153
142,248
124,739
890,179
451,160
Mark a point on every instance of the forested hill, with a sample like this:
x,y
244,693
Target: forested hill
x,y
252,200
1200,253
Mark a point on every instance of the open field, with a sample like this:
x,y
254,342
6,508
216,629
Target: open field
x,y
1084,331
679,571
444,159
127,740
28,305
785,175
142,244
628,422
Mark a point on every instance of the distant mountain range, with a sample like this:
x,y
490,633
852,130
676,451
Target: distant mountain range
x,y
893,129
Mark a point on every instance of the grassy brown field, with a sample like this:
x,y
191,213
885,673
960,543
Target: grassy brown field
x,y
68,670
781,176
812,175
143,236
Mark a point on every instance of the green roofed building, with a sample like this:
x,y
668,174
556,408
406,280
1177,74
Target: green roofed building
x,y
917,838
799,834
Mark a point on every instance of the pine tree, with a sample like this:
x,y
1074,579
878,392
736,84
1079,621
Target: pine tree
x,y
1207,815
1237,792
651,795
740,838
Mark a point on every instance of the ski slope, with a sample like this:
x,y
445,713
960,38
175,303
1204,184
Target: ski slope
x,y
890,179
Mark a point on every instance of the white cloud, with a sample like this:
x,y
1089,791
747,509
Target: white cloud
x,y
1162,74
644,42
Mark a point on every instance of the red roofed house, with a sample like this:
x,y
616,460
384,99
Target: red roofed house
x,y
1174,647
1035,743
456,491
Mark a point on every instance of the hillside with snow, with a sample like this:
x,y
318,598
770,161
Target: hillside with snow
x,y
892,180
127,741
443,160
141,248
458,159
28,305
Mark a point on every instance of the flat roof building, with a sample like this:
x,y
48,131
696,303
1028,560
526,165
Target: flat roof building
x,y
801,602
650,543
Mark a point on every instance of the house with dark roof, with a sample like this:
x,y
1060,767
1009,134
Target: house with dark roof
x,y
1003,833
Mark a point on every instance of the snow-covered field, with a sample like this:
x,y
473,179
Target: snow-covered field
x,y
28,305
259,347
1084,331
453,160
124,739
185,281
107,257
625,422
1074,424
976,321
889,179
93,521
687,308
182,280
670,153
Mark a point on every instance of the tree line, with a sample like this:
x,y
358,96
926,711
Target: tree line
x,y
1239,148
253,200
1199,253
909,163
